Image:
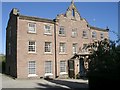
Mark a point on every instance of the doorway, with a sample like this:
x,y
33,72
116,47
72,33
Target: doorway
x,y
82,69
71,72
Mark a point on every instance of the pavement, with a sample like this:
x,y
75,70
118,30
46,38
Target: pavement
x,y
8,82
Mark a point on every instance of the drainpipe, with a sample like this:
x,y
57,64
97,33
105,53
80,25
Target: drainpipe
x,y
55,48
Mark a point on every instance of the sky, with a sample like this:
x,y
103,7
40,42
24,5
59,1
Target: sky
x,y
99,14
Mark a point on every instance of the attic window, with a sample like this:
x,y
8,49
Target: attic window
x,y
73,12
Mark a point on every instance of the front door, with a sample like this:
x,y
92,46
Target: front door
x,y
82,69
71,72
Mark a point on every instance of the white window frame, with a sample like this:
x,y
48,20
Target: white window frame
x,y
62,31
48,68
63,68
48,47
62,47
74,48
47,31
33,46
94,35
74,32
33,67
84,47
30,28
101,36
85,35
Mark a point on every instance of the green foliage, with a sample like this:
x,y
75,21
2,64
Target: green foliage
x,y
77,76
105,59
2,62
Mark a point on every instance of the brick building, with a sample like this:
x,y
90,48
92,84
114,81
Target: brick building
x,y
39,47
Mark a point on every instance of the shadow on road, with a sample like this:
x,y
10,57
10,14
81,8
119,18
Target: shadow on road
x,y
62,84
50,87
34,89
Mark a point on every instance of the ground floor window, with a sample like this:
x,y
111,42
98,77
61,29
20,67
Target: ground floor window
x,y
62,66
31,67
48,66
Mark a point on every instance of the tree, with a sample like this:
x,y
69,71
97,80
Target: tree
x,y
2,63
104,65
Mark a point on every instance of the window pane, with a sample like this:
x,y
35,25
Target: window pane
x,y
74,48
32,27
62,47
101,35
62,66
47,29
84,33
74,33
31,67
94,35
32,46
61,31
48,46
84,47
31,70
48,67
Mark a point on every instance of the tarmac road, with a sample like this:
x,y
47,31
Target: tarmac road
x,y
40,84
